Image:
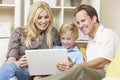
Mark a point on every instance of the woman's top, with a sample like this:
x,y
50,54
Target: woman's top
x,y
17,47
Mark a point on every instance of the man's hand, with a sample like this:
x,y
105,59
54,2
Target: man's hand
x,y
98,63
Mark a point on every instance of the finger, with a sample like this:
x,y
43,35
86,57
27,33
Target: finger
x,y
60,68
61,64
69,59
23,58
70,63
24,65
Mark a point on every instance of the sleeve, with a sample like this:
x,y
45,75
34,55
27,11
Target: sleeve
x,y
79,57
14,43
108,44
56,40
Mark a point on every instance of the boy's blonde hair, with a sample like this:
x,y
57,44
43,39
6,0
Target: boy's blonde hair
x,y
68,28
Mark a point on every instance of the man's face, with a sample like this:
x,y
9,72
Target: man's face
x,y
85,23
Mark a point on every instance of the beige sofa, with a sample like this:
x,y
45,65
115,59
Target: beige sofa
x,y
3,50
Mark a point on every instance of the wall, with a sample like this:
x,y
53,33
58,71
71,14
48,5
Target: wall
x,y
110,14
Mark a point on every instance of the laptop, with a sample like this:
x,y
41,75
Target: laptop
x,y
43,61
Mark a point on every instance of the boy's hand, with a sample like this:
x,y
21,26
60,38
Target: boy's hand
x,y
65,65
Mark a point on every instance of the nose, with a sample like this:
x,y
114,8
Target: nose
x,y
80,25
65,41
43,20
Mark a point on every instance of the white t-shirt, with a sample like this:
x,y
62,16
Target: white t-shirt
x,y
103,45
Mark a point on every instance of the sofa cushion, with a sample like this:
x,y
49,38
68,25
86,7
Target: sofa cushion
x,y
3,49
114,67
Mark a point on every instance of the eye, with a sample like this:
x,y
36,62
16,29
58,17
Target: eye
x,y
83,20
68,38
62,38
39,17
46,17
77,22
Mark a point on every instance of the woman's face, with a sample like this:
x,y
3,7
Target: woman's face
x,y
43,21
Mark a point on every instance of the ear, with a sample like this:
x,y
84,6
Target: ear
x,y
94,19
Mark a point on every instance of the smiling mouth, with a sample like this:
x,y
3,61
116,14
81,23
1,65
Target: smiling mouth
x,y
83,31
43,25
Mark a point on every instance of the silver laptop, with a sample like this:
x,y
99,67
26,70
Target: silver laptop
x,y
43,62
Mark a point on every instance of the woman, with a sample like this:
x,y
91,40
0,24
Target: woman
x,y
39,33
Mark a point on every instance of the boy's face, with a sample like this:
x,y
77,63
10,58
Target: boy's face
x,y
68,40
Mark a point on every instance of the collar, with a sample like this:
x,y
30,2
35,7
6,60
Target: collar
x,y
73,49
100,29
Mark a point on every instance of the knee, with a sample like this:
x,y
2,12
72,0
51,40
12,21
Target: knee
x,y
9,65
82,67
79,66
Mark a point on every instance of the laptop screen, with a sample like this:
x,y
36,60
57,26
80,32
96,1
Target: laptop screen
x,y
43,61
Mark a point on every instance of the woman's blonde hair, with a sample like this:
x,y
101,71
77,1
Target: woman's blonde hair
x,y
30,31
68,28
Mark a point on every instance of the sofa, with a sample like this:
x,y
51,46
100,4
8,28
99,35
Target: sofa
x,y
3,49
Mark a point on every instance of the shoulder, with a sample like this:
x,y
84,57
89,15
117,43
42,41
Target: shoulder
x,y
17,30
55,33
57,47
108,38
108,31
16,33
76,49
54,30
109,34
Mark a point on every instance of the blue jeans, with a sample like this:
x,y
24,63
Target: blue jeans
x,y
12,70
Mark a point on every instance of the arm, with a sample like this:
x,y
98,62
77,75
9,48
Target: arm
x,y
13,48
13,52
102,50
80,58
98,63
22,61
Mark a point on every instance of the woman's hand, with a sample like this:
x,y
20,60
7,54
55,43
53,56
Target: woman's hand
x,y
37,78
65,65
23,61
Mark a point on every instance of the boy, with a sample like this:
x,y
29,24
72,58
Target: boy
x,y
68,35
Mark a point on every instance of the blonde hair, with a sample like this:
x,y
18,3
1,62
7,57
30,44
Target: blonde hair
x,y
68,28
30,31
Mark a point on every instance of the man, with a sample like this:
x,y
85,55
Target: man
x,y
100,49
